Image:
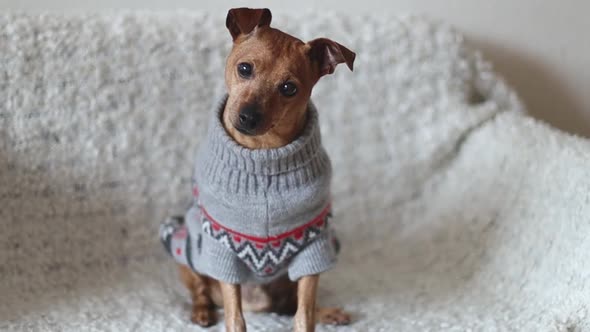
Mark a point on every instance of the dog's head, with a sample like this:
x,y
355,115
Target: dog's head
x,y
269,74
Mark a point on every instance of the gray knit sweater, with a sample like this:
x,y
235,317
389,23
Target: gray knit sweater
x,y
257,214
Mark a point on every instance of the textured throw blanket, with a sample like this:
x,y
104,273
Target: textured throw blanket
x,y
457,212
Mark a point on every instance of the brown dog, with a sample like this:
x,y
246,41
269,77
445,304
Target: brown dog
x,y
276,72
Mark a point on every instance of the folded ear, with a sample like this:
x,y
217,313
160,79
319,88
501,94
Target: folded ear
x,y
244,20
328,54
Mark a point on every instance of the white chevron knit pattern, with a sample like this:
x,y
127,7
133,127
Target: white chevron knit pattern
x,y
266,256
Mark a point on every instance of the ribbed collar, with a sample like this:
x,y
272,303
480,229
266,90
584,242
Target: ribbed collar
x,y
295,155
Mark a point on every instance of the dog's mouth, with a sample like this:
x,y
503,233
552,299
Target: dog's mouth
x,y
245,131
255,131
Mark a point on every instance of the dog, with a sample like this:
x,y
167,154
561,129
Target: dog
x,y
266,128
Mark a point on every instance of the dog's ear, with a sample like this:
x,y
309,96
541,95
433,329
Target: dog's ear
x,y
327,54
244,20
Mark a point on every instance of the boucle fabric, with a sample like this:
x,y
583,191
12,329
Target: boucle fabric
x,y
456,211
257,214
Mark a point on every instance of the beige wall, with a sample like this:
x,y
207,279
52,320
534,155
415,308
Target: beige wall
x,y
542,47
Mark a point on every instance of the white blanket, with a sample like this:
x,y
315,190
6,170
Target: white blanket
x,y
457,212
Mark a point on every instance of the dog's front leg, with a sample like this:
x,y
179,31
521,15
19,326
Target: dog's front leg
x,y
232,307
306,294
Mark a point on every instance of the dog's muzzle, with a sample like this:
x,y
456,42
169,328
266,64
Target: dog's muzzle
x,y
249,119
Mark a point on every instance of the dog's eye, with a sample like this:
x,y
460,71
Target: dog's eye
x,y
288,89
245,70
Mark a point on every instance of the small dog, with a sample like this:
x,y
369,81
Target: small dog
x,y
262,203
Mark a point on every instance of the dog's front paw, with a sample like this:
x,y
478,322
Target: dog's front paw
x,y
204,316
332,316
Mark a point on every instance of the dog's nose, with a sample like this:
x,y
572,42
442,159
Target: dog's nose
x,y
249,118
